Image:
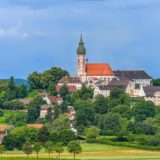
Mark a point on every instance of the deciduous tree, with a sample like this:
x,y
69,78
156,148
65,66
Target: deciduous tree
x,y
2,149
59,148
74,147
49,147
37,148
27,149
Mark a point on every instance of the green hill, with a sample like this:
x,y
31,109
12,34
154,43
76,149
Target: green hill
x,y
20,81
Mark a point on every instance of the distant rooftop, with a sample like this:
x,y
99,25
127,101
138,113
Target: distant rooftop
x,y
133,74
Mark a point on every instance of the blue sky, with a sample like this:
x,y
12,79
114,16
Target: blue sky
x,y
39,34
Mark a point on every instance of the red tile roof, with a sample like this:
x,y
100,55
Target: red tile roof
x,y
99,70
2,128
35,125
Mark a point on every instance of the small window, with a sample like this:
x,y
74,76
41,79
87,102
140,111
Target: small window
x,y
137,86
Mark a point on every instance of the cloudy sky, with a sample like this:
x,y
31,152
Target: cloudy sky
x,y
39,34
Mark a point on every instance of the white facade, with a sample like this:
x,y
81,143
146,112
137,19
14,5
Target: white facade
x,y
106,92
142,82
97,91
93,79
43,113
77,85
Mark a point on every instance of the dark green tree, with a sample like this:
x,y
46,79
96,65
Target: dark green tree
x,y
100,104
64,93
116,93
34,81
1,113
52,89
14,105
144,128
85,93
9,142
11,89
85,114
156,82
21,91
143,110
112,123
124,110
34,109
61,123
43,135
65,136
52,76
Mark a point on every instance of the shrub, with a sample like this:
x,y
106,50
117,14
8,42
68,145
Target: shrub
x,y
92,132
143,128
153,141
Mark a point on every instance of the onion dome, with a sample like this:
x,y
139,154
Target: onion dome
x,y
81,50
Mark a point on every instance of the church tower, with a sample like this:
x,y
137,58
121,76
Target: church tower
x,y
81,60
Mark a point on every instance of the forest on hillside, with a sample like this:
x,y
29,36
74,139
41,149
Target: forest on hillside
x,y
117,119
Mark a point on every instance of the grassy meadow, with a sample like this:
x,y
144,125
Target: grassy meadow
x,y
94,152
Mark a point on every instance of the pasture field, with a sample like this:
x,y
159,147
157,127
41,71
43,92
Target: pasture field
x,y
92,152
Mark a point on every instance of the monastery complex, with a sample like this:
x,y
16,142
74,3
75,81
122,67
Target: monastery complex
x,y
102,78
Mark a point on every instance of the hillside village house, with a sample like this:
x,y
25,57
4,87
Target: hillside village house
x,y
123,84
138,77
44,110
151,93
52,99
51,102
73,84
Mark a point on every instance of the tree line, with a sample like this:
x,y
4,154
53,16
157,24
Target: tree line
x,y
73,147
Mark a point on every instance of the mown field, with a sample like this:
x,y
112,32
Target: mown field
x,y
94,152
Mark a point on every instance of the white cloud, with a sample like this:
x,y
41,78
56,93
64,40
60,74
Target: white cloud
x,y
13,32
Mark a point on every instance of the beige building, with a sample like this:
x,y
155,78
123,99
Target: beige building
x,y
44,110
73,84
52,99
150,93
